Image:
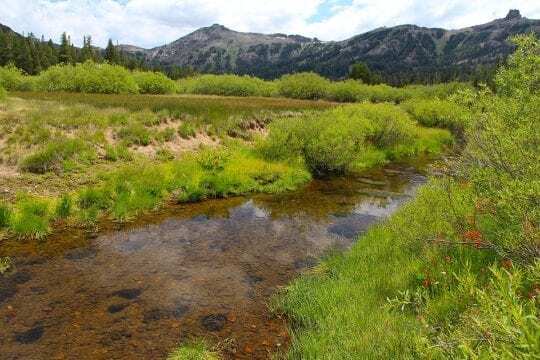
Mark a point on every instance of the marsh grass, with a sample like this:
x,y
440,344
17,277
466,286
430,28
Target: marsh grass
x,y
197,350
31,217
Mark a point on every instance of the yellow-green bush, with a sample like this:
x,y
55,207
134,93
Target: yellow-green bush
x,y
88,77
309,86
227,85
153,83
346,138
438,113
14,79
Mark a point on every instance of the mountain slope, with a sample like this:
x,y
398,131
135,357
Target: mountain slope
x,y
401,53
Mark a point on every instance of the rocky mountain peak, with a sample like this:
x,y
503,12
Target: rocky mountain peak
x,y
513,15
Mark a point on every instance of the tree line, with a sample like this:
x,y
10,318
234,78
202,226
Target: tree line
x,y
33,55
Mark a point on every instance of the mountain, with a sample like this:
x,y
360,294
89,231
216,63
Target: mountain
x,y
401,54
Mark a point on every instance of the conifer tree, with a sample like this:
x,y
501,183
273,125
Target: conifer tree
x,y
111,53
65,53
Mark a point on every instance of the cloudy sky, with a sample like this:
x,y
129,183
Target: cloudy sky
x,y
149,23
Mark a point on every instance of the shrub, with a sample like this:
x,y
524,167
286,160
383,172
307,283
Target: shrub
x,y
14,79
346,91
437,113
227,85
309,86
88,77
154,83
31,217
342,139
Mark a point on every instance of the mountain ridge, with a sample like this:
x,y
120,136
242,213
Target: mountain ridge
x,y
401,53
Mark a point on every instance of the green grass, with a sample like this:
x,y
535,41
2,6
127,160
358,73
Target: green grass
x,y
193,351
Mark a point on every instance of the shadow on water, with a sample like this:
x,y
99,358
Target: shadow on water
x,y
205,269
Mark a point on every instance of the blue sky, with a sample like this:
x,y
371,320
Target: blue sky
x,y
150,23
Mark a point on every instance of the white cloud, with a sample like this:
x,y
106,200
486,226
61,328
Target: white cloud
x,y
151,23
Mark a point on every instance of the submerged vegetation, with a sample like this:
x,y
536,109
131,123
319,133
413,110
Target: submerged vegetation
x,y
455,273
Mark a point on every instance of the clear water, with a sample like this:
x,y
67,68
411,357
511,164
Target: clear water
x,y
207,269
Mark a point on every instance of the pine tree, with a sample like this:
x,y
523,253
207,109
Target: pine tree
x,y
87,53
65,53
111,53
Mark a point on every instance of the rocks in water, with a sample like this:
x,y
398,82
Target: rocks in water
x,y
29,336
80,254
253,279
20,277
116,308
128,294
214,322
162,314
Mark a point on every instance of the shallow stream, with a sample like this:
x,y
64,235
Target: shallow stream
x,y
194,270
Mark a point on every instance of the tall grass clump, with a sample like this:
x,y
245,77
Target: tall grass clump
x,y
88,77
3,93
53,155
455,272
153,83
307,86
227,85
193,351
31,217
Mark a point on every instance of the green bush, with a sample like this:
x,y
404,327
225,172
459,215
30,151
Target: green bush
x,y
14,79
88,77
346,91
31,217
154,83
344,139
227,85
438,113
309,86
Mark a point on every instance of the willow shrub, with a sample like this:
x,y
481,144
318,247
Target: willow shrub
x,y
14,79
227,85
308,86
346,138
153,83
88,77
438,113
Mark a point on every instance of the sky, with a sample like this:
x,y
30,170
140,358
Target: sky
x,y
150,23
